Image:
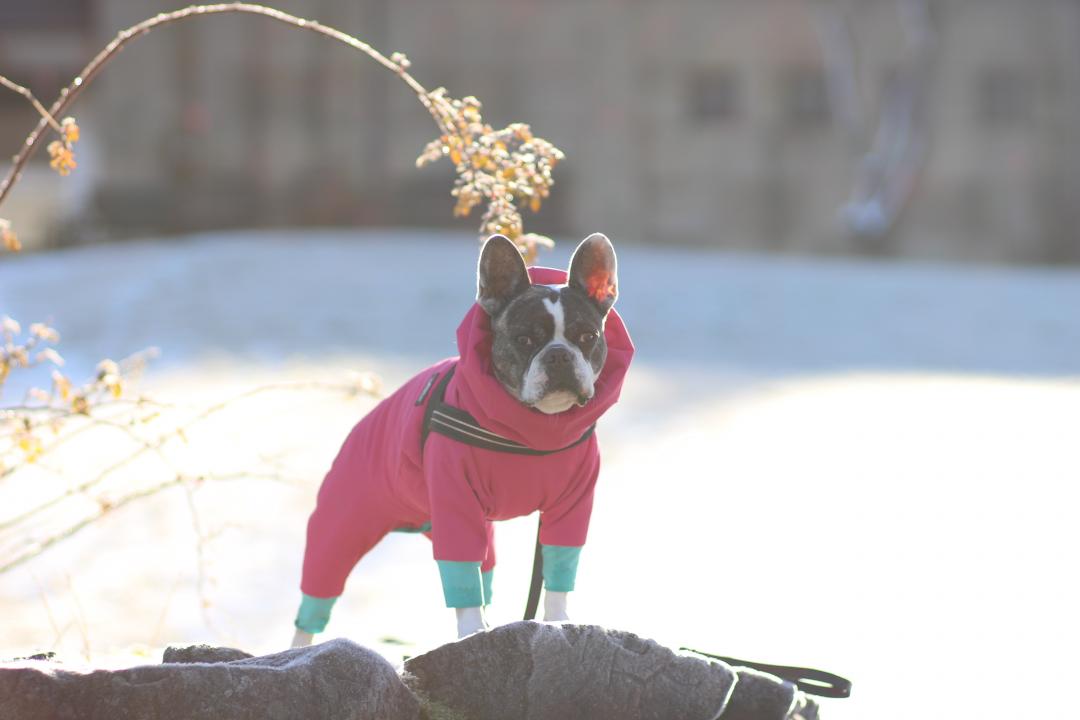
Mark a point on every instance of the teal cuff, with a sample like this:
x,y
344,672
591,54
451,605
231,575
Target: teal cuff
x,y
486,578
461,582
314,613
560,567
426,527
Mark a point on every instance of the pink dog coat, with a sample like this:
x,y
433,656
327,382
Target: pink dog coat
x,y
384,480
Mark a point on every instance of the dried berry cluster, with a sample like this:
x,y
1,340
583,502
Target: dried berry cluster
x,y
508,169
8,239
19,424
61,159
62,152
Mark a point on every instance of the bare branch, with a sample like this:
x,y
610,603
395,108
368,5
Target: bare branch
x,y
40,546
25,92
155,445
69,94
509,168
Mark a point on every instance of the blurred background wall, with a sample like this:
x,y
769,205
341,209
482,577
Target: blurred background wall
x,y
938,129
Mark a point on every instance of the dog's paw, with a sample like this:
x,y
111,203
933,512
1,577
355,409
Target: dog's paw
x,y
555,607
470,620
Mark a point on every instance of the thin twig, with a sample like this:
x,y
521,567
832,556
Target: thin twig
x,y
65,438
155,445
200,559
25,92
48,608
165,611
7,411
41,546
72,91
84,632
68,414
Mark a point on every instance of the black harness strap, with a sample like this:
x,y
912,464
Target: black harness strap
x,y
459,425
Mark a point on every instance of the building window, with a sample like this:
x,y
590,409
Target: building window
x,y
714,96
1004,98
806,98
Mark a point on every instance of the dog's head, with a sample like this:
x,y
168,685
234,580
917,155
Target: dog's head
x,y
548,344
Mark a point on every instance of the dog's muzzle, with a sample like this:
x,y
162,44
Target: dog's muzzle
x,y
558,364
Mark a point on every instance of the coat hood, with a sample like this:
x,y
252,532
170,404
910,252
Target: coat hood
x,y
476,390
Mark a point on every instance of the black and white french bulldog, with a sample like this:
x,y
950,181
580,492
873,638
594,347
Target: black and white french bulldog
x,y
542,389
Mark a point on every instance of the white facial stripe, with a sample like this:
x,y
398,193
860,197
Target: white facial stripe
x,y
556,309
536,378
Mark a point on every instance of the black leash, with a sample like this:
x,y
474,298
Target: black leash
x,y
810,681
459,425
537,579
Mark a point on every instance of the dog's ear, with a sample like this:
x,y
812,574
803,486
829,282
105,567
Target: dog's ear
x,y
500,275
594,271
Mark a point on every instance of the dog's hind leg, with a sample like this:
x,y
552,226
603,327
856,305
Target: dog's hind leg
x,y
346,524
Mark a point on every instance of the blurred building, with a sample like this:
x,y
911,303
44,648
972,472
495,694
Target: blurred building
x,y
745,124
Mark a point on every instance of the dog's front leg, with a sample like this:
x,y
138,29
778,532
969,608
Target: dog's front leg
x,y
555,606
301,639
470,620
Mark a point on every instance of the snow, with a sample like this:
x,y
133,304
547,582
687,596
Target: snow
x,y
865,467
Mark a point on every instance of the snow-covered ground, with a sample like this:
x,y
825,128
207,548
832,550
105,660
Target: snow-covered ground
x,y
869,468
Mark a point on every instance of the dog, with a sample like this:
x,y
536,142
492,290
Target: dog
x,y
502,431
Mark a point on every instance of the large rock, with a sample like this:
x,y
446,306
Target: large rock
x,y
336,680
526,671
533,671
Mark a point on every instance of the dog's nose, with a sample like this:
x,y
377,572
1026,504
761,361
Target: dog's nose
x,y
557,356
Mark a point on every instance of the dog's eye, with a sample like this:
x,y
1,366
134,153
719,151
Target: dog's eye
x,y
588,337
524,341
